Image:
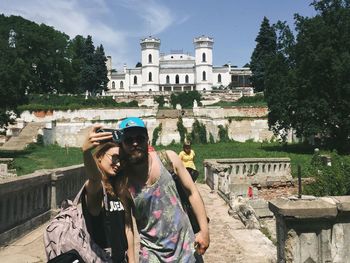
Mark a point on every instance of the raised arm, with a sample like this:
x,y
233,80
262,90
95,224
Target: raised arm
x,y
202,238
93,185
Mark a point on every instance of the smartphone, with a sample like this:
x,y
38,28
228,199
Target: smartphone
x,y
116,135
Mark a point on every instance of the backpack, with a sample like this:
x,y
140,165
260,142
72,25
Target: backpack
x,y
68,231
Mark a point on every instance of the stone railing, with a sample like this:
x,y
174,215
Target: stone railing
x,y
30,200
224,175
312,229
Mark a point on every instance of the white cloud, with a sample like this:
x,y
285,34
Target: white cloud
x,y
95,17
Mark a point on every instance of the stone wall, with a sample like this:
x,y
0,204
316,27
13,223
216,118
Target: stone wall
x,y
29,200
313,229
68,128
227,176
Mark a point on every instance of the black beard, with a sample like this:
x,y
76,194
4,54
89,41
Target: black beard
x,y
138,159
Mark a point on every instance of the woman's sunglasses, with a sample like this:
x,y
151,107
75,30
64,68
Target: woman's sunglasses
x,y
114,158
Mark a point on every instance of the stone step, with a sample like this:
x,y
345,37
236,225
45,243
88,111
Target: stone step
x,y
27,135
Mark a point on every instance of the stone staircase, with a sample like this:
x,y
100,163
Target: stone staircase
x,y
27,135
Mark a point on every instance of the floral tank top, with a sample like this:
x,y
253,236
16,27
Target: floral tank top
x,y
165,231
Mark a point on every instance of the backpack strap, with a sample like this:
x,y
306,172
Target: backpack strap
x,y
78,196
168,164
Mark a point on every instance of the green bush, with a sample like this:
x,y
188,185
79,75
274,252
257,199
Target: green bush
x,y
223,133
160,100
66,102
182,130
211,138
199,133
256,101
185,99
156,133
329,180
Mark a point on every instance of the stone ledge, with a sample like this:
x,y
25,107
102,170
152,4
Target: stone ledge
x,y
300,208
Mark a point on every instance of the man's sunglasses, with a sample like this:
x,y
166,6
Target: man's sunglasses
x,y
139,139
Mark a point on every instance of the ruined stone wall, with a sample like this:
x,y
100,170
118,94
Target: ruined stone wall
x,y
69,128
312,229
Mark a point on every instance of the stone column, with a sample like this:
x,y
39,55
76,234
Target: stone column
x,y
312,229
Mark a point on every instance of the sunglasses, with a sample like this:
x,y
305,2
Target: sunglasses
x,y
114,158
139,139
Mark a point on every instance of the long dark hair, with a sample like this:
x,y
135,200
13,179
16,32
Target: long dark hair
x,y
114,185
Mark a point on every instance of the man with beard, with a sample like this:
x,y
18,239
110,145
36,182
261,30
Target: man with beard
x,y
165,231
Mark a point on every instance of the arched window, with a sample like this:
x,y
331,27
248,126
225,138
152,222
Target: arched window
x,y
204,76
149,58
113,85
177,79
204,59
219,78
150,76
135,80
122,85
167,79
186,79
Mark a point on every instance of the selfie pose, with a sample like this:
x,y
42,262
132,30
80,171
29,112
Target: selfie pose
x,y
166,234
110,227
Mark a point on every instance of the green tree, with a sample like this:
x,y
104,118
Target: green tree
x,y
185,99
329,180
160,100
308,82
264,50
279,80
322,56
199,133
100,69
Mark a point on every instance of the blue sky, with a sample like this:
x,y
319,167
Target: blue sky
x,y
120,24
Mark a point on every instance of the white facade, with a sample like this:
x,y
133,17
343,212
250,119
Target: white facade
x,y
176,71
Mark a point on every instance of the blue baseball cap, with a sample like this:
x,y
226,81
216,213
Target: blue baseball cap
x,y
132,122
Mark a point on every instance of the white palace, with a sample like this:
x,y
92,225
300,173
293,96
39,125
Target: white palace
x,y
176,71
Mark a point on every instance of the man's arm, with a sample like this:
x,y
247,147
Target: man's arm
x,y
202,238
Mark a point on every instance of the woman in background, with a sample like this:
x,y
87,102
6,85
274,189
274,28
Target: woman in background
x,y
187,156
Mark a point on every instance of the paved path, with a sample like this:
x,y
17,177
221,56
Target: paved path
x,y
230,241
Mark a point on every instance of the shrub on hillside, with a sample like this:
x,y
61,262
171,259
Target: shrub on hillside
x,y
185,99
199,133
65,102
329,180
223,133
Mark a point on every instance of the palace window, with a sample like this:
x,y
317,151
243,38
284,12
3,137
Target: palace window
x,y
135,80
113,85
177,79
186,79
219,78
204,76
122,85
149,58
204,59
150,76
167,79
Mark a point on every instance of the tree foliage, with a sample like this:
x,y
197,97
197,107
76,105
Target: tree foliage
x,y
329,180
39,59
185,99
308,81
199,133
264,50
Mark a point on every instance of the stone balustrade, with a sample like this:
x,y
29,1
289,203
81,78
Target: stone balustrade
x,y
30,200
224,175
312,230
